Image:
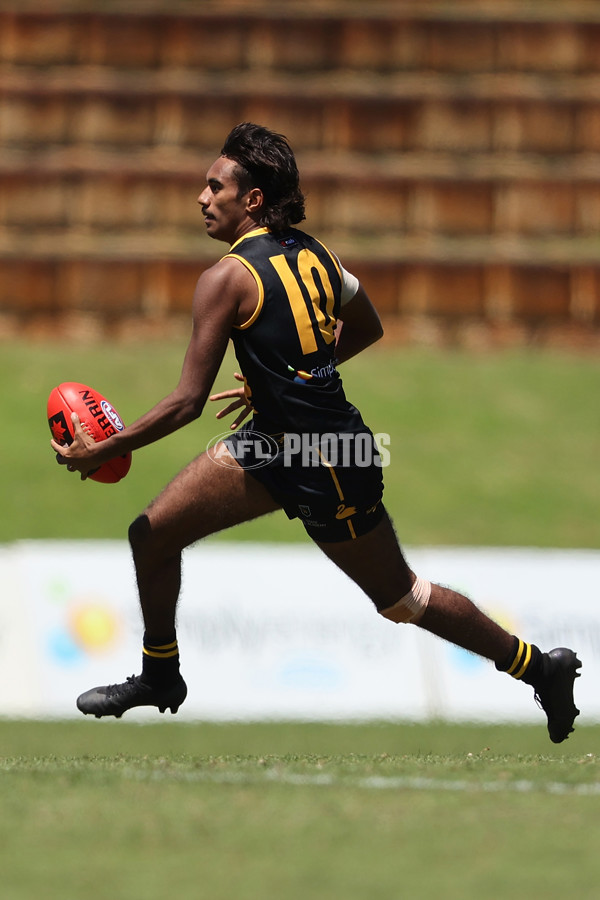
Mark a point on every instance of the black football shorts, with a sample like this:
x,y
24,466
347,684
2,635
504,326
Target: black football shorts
x,y
332,483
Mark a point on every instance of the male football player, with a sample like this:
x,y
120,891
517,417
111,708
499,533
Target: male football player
x,y
294,315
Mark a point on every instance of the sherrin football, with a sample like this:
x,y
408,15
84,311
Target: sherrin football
x,y
95,412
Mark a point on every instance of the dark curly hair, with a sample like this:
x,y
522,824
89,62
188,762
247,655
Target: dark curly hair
x,y
266,160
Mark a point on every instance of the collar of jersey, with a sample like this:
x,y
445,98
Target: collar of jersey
x,y
253,233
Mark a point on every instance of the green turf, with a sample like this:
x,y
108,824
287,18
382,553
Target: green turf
x,y
497,449
113,811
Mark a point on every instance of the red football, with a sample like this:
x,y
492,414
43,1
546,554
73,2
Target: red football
x,y
94,411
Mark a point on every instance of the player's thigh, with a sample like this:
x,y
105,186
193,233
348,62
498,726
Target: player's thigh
x,y
212,493
375,562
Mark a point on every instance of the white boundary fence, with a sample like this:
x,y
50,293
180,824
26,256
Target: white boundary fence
x,y
277,632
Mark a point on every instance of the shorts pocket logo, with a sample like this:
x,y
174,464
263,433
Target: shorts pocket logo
x,y
344,512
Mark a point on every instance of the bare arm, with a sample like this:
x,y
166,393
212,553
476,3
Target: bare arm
x,y
359,326
215,308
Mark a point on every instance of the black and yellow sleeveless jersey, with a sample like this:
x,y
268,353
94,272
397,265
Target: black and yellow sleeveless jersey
x,y
286,349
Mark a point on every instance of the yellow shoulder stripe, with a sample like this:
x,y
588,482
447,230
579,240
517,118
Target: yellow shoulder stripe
x,y
259,285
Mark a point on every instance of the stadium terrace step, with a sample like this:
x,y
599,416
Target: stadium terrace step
x,y
466,136
429,10
192,246
343,84
525,298
186,164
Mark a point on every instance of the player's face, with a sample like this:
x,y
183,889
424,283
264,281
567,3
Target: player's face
x,y
226,214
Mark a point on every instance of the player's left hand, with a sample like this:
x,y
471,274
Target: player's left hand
x,y
76,456
240,400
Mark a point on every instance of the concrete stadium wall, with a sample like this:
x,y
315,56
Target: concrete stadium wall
x,y
450,153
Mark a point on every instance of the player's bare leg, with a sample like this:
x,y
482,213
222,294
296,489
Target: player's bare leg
x,y
206,497
376,563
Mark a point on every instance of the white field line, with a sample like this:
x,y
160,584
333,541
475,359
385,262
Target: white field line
x,y
371,782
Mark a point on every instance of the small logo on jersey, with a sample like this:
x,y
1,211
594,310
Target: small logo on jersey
x,y
288,242
305,510
300,376
344,512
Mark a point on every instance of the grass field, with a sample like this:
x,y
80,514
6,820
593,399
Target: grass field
x,y
111,811
486,450
494,450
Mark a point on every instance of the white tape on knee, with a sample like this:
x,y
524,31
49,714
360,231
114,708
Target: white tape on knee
x,y
411,607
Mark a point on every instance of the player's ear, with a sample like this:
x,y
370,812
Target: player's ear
x,y
255,201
